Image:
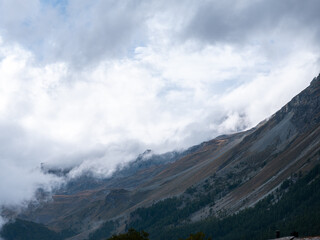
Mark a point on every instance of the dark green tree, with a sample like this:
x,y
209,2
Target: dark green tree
x,y
132,234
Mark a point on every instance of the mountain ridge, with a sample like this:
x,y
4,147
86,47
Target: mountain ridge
x,y
221,176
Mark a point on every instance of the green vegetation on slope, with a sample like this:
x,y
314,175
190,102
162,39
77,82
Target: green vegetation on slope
x,y
133,234
25,230
104,231
169,212
297,210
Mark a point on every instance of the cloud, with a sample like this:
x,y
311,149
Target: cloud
x,y
19,184
247,22
92,85
79,32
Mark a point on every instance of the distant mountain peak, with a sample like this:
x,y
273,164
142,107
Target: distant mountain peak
x,y
146,154
315,81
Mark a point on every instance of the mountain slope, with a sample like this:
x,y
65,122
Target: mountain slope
x,y
294,207
257,161
219,177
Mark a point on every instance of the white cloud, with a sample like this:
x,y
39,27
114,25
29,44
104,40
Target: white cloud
x,y
18,184
268,92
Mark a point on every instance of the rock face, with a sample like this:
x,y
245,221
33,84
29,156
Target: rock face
x,y
240,169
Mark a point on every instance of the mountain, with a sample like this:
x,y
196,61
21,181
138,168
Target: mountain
x,y
215,179
20,229
294,208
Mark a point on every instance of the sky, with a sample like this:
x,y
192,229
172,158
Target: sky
x,y
91,84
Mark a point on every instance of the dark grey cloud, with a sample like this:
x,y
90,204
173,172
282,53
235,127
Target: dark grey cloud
x,y
247,21
83,33
106,28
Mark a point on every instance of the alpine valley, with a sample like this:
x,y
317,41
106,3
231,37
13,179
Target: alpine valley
x,y
245,185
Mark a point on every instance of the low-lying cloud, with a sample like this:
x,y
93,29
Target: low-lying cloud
x,y
92,85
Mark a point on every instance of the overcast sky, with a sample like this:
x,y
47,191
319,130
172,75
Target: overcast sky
x,y
93,83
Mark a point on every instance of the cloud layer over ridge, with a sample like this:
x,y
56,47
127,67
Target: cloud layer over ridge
x,y
94,83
